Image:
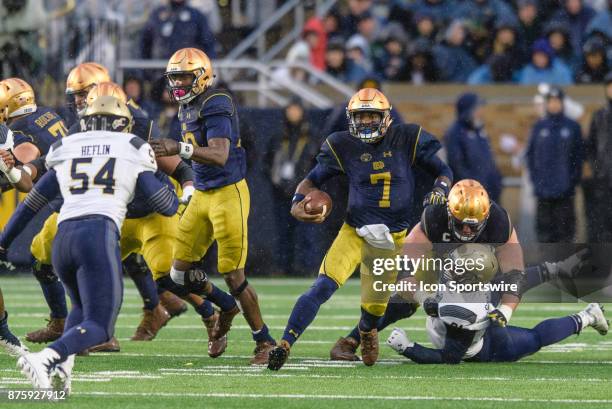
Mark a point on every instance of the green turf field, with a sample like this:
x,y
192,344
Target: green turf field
x,y
174,371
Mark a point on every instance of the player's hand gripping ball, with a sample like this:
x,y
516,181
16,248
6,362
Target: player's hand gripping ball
x,y
318,203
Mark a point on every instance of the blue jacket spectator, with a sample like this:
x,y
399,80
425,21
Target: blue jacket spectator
x,y
545,67
173,27
559,38
499,68
453,59
390,56
341,67
530,21
468,150
485,13
601,23
554,156
441,10
576,16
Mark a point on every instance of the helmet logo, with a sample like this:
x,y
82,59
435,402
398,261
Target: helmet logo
x,y
119,123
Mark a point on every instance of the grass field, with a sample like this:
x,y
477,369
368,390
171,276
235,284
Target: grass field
x,y
173,371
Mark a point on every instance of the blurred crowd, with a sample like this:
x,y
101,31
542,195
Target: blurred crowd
x,y
474,41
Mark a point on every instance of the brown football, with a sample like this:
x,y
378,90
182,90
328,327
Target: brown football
x,y
318,200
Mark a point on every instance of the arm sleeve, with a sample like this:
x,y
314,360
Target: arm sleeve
x,y
218,126
457,343
159,196
45,190
328,165
20,137
436,167
183,173
321,174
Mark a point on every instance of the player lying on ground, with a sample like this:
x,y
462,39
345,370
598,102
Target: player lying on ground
x,y
378,159
460,329
219,208
467,217
83,170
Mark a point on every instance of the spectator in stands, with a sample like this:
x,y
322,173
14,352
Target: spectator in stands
x,y
594,64
340,67
468,150
292,155
485,13
331,22
599,155
390,56
452,57
20,25
545,67
601,23
421,67
425,27
529,21
368,27
498,69
558,36
440,10
210,8
358,51
313,42
175,26
554,158
356,9
133,87
576,16
506,41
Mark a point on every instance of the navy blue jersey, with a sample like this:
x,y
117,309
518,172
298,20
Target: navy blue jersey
x,y
41,128
213,115
381,178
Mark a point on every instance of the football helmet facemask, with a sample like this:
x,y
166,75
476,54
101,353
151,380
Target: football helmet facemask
x,y
107,113
196,65
468,209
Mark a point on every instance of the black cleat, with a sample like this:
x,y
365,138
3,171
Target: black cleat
x,y
278,356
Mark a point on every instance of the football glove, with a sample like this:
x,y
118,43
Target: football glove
x,y
435,197
187,193
500,316
430,306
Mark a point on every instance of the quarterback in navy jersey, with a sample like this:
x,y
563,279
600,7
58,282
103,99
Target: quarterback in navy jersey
x,y
378,159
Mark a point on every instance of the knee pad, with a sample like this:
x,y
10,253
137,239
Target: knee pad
x,y
322,289
44,273
134,266
167,284
238,290
194,280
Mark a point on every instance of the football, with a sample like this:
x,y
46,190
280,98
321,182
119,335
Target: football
x,y
320,202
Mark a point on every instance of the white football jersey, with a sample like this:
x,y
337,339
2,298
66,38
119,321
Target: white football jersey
x,y
97,172
468,311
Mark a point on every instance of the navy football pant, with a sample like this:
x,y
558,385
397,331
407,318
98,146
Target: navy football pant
x,y
513,343
87,259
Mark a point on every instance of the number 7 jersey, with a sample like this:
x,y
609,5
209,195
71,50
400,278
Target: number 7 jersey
x,y
97,172
381,179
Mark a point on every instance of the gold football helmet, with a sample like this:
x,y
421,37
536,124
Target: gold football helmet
x,y
193,62
368,100
81,79
108,89
16,98
468,209
107,113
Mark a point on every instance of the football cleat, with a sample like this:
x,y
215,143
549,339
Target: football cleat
x,y
369,346
593,316
278,355
152,321
9,341
225,322
111,345
53,330
262,352
173,304
61,376
399,341
37,367
345,349
216,346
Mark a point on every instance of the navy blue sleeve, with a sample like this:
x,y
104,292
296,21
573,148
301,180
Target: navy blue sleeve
x,y
159,196
218,126
426,145
321,174
44,191
20,137
457,343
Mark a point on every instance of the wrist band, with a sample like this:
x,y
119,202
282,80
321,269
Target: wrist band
x,y
507,311
14,175
186,150
298,197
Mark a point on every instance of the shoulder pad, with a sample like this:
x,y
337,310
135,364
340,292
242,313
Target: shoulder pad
x,y
217,102
137,142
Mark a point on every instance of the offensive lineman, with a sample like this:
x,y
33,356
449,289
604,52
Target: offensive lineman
x,y
378,159
220,206
84,170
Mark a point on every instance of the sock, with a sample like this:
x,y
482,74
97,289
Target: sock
x,y
555,330
263,335
147,290
397,309
80,337
222,299
306,308
368,321
205,309
56,297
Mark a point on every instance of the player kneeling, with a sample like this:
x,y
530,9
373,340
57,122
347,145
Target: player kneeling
x,y
86,254
461,328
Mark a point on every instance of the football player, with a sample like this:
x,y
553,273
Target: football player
x,y
378,159
8,340
468,217
220,206
461,328
83,169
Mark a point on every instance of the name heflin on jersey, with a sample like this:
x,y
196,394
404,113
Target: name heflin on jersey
x,y
95,150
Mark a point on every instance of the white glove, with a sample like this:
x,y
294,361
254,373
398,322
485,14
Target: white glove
x,y
187,193
3,166
377,235
399,341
